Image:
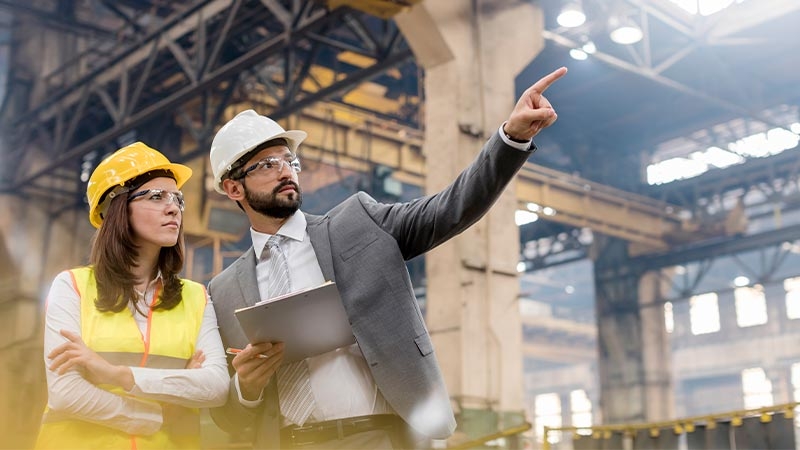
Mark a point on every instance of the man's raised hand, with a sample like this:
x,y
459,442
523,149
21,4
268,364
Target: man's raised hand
x,y
533,112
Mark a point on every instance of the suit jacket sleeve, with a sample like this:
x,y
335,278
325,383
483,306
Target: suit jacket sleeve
x,y
426,222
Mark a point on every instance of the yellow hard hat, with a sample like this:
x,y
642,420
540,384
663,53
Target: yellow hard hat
x,y
122,166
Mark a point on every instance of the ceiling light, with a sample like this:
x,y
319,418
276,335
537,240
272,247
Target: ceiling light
x,y
571,15
741,281
578,54
522,217
589,47
625,31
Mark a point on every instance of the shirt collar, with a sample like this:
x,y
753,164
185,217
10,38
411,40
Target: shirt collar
x,y
294,228
158,280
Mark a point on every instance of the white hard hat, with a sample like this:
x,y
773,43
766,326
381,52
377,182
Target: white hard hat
x,y
241,134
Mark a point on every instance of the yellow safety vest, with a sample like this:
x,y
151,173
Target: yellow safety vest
x,y
169,343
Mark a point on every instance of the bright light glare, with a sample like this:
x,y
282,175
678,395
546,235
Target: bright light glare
x,y
772,142
704,313
522,217
548,211
589,47
757,145
717,157
428,416
627,34
674,169
741,281
571,16
578,54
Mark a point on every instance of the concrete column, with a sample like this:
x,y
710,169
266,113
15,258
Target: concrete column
x,y
656,348
634,361
471,51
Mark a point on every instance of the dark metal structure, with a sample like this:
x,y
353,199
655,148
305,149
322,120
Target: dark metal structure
x,y
200,57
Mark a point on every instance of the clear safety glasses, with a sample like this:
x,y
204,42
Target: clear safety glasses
x,y
159,197
273,165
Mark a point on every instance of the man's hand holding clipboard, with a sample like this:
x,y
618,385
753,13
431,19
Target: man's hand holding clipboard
x,y
255,365
309,322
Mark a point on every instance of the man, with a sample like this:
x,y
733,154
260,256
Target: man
x,y
387,390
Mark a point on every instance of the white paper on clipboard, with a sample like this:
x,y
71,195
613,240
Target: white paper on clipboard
x,y
309,322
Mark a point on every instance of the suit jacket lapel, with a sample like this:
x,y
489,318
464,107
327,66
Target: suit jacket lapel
x,y
317,227
248,283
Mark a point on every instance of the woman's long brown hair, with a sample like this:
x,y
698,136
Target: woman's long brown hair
x,y
113,255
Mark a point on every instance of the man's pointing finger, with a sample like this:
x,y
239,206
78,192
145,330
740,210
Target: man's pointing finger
x,y
545,82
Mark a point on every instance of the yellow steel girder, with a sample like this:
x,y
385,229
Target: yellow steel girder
x,y
384,9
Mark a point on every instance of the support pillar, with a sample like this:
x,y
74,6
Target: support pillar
x,y
634,360
471,51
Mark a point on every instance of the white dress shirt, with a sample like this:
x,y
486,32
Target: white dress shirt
x,y
340,380
73,395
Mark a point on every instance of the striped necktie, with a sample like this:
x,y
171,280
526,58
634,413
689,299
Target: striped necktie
x,y
294,384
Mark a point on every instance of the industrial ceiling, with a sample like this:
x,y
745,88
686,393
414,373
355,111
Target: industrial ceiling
x,y
694,81
628,105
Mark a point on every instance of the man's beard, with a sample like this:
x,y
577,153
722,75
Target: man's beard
x,y
269,204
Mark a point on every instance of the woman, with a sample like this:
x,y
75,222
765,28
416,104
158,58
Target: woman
x,y
131,350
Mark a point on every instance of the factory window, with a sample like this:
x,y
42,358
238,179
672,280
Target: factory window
x,y
751,306
757,388
581,408
704,313
792,288
796,389
547,408
669,317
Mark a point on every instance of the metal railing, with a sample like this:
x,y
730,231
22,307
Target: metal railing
x,y
769,427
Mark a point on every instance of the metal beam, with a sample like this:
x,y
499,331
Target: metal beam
x,y
166,78
715,248
56,20
582,203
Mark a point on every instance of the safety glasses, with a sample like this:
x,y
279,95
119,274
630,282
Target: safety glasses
x,y
159,197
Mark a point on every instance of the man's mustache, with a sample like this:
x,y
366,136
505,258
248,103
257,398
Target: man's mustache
x,y
285,183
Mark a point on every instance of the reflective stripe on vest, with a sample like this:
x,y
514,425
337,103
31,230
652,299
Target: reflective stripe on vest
x,y
168,343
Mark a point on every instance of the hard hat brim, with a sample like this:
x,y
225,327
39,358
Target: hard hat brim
x,y
293,139
182,173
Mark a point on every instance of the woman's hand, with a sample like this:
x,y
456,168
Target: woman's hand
x,y
196,360
75,355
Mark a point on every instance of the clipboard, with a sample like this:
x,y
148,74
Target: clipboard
x,y
309,322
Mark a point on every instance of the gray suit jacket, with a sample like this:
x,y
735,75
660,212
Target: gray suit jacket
x,y
362,245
